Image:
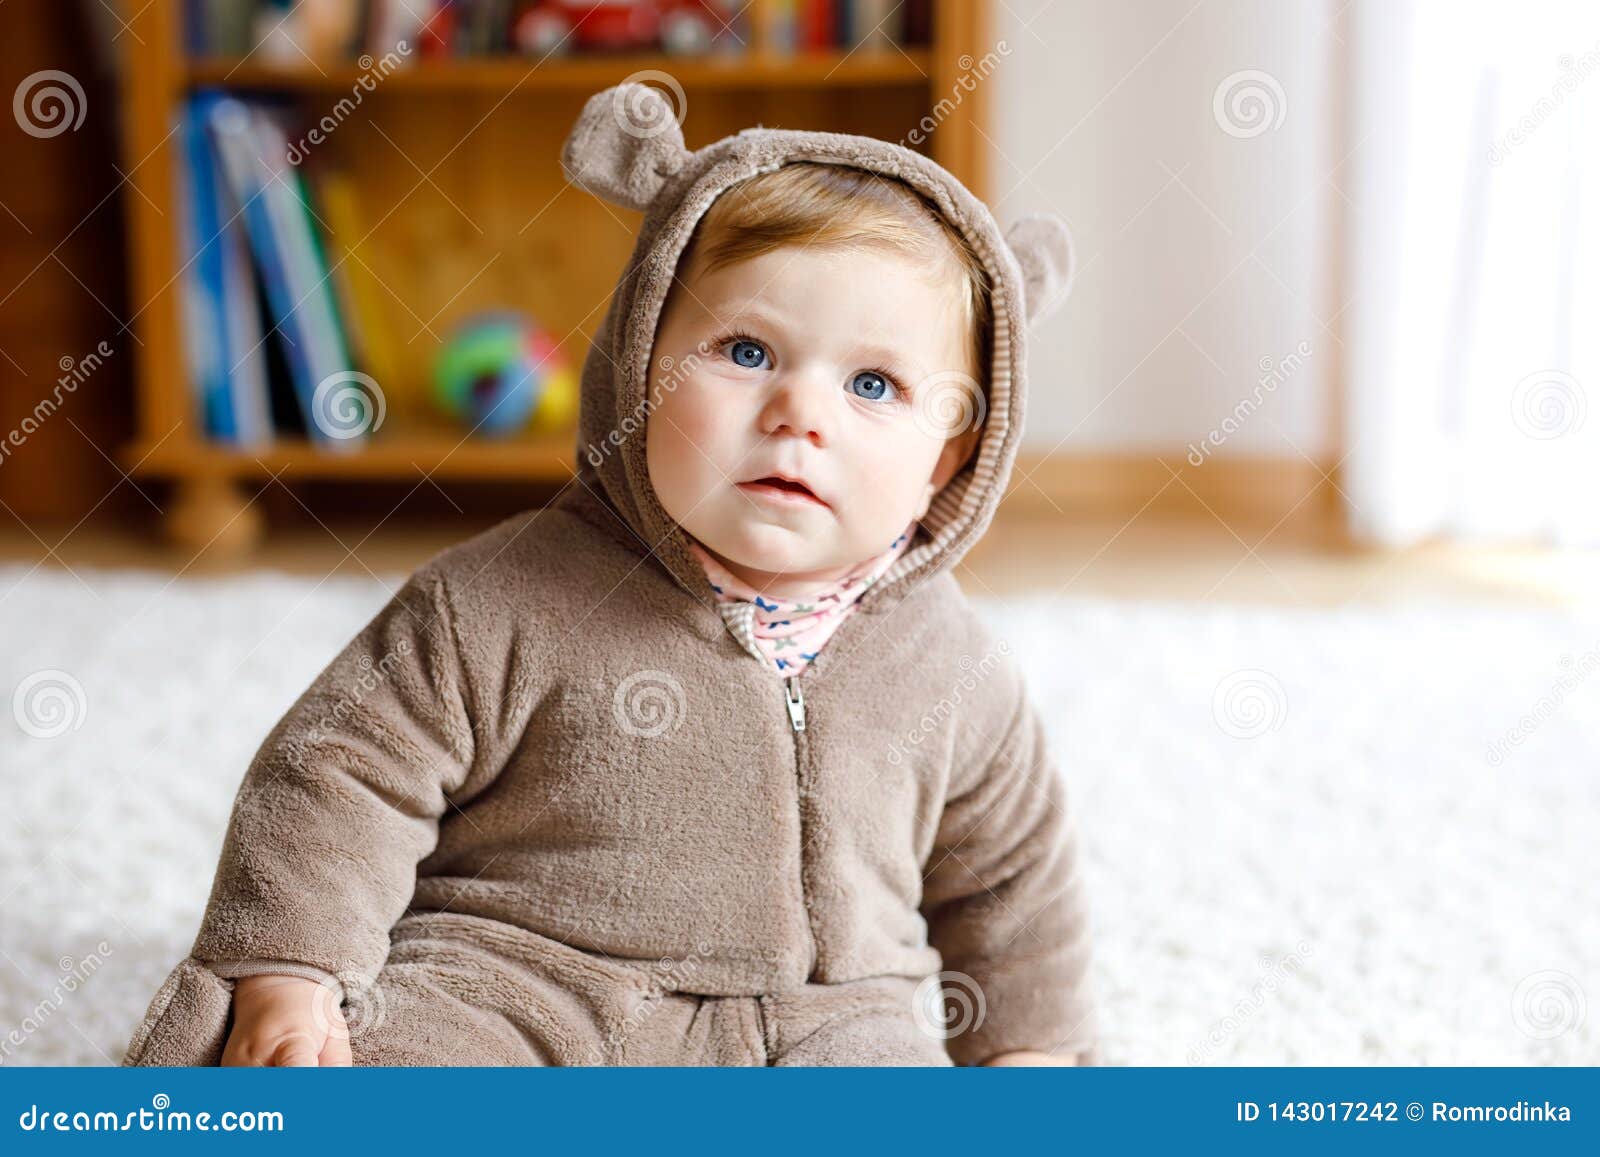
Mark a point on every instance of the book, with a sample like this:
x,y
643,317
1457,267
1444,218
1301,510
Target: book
x,y
245,341
223,329
283,245
201,280
875,25
820,30
291,32
359,292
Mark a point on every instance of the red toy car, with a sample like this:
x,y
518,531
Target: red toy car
x,y
683,27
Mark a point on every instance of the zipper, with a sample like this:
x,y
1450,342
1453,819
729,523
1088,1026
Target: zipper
x,y
795,700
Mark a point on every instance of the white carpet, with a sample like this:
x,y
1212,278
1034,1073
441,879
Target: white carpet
x,y
1312,862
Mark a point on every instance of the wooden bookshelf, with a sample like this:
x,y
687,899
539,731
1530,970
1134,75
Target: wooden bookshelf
x,y
457,163
587,75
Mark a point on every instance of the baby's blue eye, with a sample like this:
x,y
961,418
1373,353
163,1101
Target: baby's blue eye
x,y
748,354
870,385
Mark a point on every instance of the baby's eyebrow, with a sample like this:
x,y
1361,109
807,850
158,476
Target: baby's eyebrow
x,y
744,315
882,353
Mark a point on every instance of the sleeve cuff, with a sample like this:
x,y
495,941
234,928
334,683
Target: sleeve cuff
x,y
235,969
1025,1008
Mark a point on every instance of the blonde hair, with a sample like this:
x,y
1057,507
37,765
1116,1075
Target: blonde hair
x,y
809,203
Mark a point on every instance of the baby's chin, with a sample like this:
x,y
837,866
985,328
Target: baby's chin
x,y
772,549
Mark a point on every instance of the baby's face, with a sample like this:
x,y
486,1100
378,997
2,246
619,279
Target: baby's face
x,y
819,366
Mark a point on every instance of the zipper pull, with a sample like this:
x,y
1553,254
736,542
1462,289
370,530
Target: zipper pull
x,y
795,700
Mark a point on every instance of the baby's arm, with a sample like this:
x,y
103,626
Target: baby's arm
x,y
1005,903
336,809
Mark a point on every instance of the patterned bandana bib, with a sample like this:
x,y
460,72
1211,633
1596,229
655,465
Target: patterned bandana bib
x,y
791,632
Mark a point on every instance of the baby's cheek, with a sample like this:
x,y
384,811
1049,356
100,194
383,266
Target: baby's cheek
x,y
894,469
702,413
685,435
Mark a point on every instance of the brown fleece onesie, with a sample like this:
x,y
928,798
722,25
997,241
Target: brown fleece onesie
x,y
550,806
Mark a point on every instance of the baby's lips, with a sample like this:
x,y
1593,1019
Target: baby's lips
x,y
791,485
792,479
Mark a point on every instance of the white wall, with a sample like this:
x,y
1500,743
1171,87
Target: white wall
x,y
1200,253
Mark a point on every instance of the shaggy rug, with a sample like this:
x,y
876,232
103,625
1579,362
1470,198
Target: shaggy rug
x,y
1365,835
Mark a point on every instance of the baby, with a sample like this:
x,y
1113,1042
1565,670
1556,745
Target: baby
x,y
709,761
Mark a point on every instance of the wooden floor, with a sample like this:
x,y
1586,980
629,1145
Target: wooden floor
x,y
1151,556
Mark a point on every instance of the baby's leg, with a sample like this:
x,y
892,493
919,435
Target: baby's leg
x,y
858,1022
419,1014
460,990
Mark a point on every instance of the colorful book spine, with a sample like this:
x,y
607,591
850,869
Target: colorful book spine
x,y
783,31
242,330
223,332
819,31
203,326
283,245
876,24
358,288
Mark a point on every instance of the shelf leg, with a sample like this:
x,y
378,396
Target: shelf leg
x,y
212,514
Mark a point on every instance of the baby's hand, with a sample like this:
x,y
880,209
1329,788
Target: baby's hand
x,y
1030,1057
286,1020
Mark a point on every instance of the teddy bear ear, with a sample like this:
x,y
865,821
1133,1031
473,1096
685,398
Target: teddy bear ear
x,y
627,141
1042,245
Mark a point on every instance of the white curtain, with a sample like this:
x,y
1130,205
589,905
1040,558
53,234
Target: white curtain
x,y
1473,352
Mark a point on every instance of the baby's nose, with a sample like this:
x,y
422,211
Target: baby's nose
x,y
799,405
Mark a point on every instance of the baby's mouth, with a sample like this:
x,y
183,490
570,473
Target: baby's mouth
x,y
781,490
